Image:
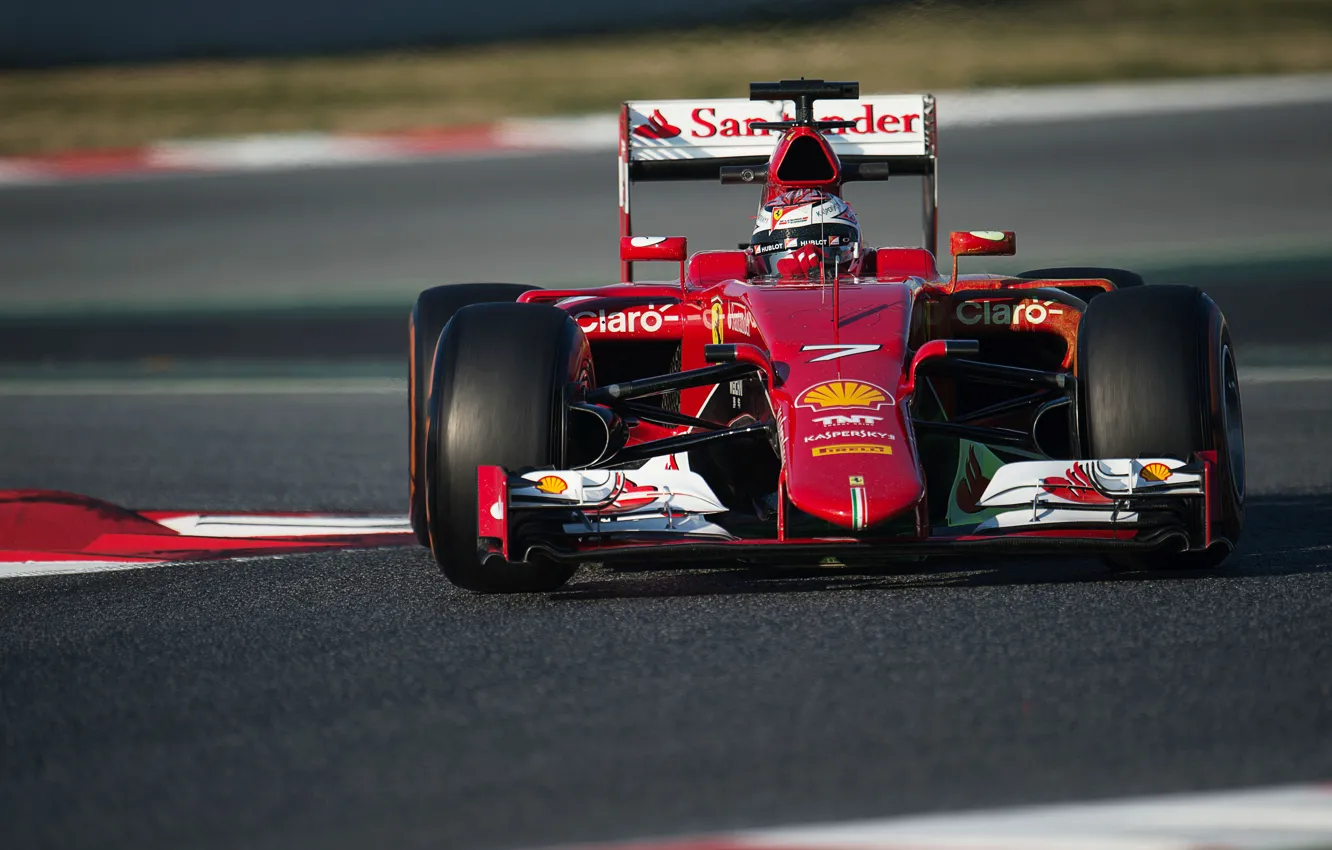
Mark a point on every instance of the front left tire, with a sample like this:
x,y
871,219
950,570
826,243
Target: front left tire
x,y
434,307
503,376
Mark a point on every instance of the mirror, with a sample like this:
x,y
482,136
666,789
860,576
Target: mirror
x,y
669,248
983,243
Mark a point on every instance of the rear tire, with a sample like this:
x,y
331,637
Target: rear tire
x,y
501,381
434,307
1158,378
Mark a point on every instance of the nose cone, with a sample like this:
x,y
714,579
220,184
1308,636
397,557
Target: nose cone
x,y
854,468
850,460
848,455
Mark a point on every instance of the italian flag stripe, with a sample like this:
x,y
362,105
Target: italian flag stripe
x,y
858,507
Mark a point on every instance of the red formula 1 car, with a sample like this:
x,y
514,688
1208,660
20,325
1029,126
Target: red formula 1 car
x,y
807,399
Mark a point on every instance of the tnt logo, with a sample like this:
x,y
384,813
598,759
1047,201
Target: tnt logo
x,y
839,420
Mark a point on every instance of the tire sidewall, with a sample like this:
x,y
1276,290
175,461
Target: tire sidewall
x,y
1134,333
534,359
1231,467
433,309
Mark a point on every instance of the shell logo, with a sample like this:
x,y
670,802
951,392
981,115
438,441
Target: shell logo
x,y
834,394
1156,472
552,484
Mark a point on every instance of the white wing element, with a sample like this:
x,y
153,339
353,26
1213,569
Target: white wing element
x,y
277,525
694,525
1057,492
600,492
665,462
886,126
1089,482
653,499
1045,516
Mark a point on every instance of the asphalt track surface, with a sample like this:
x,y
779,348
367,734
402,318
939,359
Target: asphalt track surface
x,y
355,700
1129,190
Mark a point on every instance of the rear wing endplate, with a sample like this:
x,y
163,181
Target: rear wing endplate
x,y
892,135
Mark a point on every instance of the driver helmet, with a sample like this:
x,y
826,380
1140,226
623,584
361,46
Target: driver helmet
x,y
805,233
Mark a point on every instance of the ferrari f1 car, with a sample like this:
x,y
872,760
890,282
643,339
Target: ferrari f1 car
x,y
879,411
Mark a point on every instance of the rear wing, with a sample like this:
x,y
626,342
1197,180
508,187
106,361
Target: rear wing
x,y
889,135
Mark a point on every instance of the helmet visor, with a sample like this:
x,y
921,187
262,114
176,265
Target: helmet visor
x,y
820,250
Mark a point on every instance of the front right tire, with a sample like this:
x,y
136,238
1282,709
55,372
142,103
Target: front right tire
x,y
1157,370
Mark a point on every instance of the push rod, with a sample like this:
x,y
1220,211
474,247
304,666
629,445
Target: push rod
x,y
659,384
671,445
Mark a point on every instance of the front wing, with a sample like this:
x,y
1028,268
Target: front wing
x,y
664,515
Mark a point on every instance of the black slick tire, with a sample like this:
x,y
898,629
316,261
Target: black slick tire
x,y
1158,378
501,378
434,307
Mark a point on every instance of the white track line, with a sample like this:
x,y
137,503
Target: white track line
x,y
34,569
1113,100
257,527
203,386
245,525
1284,374
1297,817
991,107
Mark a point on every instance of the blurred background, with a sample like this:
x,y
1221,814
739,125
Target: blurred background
x,y
232,337
80,73
97,97
174,176
83,83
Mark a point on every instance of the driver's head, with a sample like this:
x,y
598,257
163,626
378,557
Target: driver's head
x,y
805,233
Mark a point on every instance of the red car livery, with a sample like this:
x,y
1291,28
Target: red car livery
x,y
894,411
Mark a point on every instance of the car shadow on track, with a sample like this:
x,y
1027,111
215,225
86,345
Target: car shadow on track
x,y
1284,535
